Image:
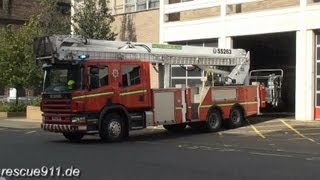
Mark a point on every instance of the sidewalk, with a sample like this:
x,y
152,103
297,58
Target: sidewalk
x,y
19,123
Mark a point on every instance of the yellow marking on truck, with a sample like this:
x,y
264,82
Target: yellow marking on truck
x,y
92,95
132,92
297,132
228,104
246,103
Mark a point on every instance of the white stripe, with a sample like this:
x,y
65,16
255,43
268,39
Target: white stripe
x,y
30,132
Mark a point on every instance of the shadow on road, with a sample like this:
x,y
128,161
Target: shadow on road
x,y
151,135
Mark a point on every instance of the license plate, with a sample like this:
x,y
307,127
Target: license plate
x,y
56,118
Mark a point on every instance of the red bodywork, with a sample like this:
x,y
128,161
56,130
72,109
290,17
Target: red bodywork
x,y
57,113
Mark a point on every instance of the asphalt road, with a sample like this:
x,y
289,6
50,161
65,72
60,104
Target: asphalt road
x,y
264,149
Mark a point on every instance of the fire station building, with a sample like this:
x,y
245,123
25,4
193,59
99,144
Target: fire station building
x,y
281,34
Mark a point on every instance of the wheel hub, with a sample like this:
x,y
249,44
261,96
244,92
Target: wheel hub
x,y
114,129
235,117
213,120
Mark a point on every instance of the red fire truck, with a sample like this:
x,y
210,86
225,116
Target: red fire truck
x,y
110,88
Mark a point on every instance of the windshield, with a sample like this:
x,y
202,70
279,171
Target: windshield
x,y
62,78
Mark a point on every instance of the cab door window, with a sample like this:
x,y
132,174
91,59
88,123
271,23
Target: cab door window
x,y
98,77
131,75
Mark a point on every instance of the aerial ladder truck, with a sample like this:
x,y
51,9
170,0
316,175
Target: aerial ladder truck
x,y
105,87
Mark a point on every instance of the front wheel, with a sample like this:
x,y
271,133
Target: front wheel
x,y
73,137
112,128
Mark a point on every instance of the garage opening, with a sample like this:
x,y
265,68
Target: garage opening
x,y
274,51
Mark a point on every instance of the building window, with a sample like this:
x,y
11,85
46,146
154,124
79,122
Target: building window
x,y
64,8
6,6
131,75
153,4
129,5
140,5
200,42
187,75
318,69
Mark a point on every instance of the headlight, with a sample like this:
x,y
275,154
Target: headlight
x,y
78,120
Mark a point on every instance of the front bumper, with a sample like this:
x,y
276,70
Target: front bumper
x,y
64,128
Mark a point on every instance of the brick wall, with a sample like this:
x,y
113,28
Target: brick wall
x,y
141,26
20,9
199,13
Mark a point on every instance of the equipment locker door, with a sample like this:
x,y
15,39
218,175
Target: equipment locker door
x,y
134,87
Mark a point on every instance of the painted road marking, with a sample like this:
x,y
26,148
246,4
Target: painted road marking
x,y
30,132
270,154
313,159
256,130
296,131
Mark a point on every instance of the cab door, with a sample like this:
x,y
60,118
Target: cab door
x,y
134,86
99,89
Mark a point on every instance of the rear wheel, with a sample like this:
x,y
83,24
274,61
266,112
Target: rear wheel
x,y
175,127
73,137
214,120
236,117
112,128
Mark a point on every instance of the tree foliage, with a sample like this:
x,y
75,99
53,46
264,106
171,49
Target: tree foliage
x,y
55,18
92,19
17,64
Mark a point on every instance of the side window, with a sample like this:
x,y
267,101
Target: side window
x,y
131,75
98,77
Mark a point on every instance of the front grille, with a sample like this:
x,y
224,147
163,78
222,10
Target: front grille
x,y
56,102
56,105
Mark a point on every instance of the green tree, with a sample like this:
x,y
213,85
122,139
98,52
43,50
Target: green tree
x,y
93,19
55,17
17,63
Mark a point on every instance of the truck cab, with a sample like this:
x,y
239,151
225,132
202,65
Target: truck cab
x,y
75,95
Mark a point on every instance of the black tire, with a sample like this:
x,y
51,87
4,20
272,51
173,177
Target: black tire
x,y
112,128
214,120
175,127
73,137
236,117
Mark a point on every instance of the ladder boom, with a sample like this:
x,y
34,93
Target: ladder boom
x,y
68,48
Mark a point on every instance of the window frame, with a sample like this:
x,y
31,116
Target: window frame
x,y
135,4
107,75
186,77
128,83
